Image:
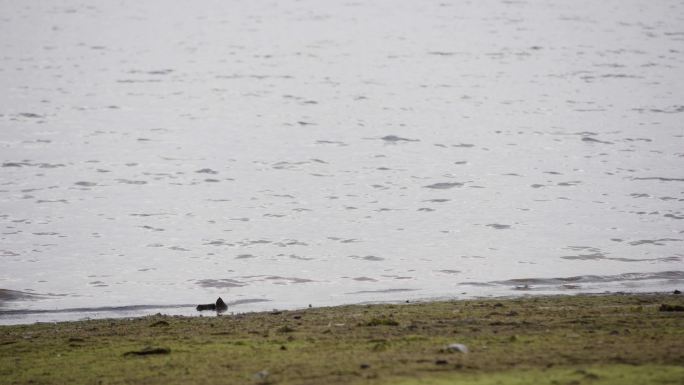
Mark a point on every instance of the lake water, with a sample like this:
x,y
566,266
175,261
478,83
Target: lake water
x,y
159,154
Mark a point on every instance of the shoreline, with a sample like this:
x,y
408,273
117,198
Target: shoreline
x,y
22,307
606,335
15,314
189,310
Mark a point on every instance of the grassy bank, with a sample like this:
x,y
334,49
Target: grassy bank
x,y
613,339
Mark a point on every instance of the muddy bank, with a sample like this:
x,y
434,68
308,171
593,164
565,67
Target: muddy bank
x,y
593,339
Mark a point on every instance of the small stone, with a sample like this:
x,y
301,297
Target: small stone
x,y
365,366
441,362
148,351
219,306
261,376
457,348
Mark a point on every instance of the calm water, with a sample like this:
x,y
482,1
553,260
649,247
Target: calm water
x,y
158,154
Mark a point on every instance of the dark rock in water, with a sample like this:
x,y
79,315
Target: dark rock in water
x,y
219,306
676,292
209,306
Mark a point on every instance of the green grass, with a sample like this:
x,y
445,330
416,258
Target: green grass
x,y
615,339
591,375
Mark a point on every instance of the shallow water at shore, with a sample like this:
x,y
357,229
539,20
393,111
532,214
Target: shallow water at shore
x,y
292,153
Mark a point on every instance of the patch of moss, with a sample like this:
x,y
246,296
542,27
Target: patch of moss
x,y
382,321
666,307
591,375
524,338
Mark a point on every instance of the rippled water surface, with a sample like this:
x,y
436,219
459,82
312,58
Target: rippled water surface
x,y
159,154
